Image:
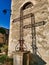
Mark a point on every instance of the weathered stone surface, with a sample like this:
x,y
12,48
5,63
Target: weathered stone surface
x,y
21,58
41,11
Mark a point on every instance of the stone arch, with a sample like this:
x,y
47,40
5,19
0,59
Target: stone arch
x,y
27,5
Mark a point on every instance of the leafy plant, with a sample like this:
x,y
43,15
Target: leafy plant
x,y
4,48
2,30
5,59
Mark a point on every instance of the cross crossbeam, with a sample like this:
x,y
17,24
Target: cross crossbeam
x,y
24,17
34,25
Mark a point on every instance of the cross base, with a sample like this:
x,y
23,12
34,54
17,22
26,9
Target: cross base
x,y
21,42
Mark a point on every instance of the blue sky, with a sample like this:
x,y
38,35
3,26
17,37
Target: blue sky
x,y
5,18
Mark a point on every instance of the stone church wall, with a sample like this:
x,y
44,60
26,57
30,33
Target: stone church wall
x,y
40,10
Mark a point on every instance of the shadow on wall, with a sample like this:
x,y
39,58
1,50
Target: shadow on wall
x,y
36,60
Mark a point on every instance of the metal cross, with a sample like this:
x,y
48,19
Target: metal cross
x,y
33,25
21,18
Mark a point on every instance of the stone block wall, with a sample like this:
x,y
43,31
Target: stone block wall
x,y
40,9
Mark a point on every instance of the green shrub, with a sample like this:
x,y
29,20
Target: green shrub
x,y
5,58
2,30
2,58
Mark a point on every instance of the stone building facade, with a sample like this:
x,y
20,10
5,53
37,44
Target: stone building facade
x,y
40,10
